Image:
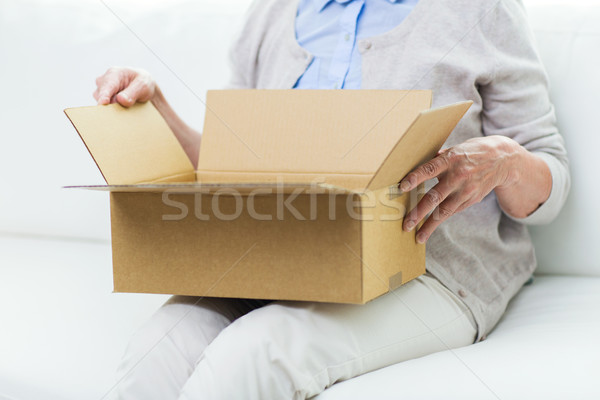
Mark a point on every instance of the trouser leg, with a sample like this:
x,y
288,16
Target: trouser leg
x,y
295,350
163,353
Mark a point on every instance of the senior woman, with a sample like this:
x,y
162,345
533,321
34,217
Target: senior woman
x,y
503,167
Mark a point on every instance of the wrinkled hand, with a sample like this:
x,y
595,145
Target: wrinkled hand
x,y
125,86
467,173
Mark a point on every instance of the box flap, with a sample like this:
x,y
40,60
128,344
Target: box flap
x,y
312,132
223,188
420,143
130,145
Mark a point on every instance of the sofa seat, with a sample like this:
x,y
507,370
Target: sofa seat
x,y
63,332
545,347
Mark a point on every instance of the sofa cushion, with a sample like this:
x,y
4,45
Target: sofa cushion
x,y
63,330
544,348
568,36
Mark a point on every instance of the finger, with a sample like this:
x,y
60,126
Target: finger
x,y
454,204
429,170
107,90
112,82
138,90
124,99
433,198
442,212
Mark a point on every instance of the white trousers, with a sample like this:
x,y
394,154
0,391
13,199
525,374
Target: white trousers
x,y
248,349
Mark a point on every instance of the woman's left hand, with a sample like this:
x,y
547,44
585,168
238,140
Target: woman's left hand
x,y
467,173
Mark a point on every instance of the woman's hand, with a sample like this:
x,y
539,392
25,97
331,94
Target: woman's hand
x,y
128,86
125,86
469,172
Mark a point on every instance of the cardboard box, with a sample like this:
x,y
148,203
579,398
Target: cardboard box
x,y
294,197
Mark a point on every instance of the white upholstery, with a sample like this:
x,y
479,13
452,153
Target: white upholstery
x,y
544,348
568,38
63,331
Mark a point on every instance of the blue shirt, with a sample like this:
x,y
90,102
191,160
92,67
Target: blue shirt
x,y
330,30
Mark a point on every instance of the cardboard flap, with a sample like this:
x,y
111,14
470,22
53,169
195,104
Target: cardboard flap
x,y
130,145
421,142
305,131
255,189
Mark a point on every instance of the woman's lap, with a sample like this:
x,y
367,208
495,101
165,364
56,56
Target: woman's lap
x,y
228,348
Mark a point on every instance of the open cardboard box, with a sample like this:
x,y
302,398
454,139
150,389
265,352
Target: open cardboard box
x,y
294,197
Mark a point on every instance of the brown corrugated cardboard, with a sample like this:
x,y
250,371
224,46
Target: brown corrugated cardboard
x,y
293,197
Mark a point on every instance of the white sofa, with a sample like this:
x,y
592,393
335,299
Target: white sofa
x,y
62,331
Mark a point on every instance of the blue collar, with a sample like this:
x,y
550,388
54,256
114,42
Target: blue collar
x,y
320,4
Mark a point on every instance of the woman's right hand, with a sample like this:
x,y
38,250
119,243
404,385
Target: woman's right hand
x,y
128,86
125,86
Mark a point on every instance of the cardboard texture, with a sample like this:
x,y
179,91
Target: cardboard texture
x,y
294,197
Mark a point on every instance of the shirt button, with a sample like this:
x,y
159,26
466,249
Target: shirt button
x,y
483,338
347,37
367,45
462,293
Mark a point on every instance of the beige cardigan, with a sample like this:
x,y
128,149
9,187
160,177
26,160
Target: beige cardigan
x,y
481,50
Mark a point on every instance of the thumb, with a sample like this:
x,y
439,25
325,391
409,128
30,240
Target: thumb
x,y
125,99
140,89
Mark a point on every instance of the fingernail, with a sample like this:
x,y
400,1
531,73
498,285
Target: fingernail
x,y
404,186
103,100
410,225
421,237
127,98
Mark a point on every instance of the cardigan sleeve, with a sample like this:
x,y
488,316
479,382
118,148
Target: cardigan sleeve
x,y
516,102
